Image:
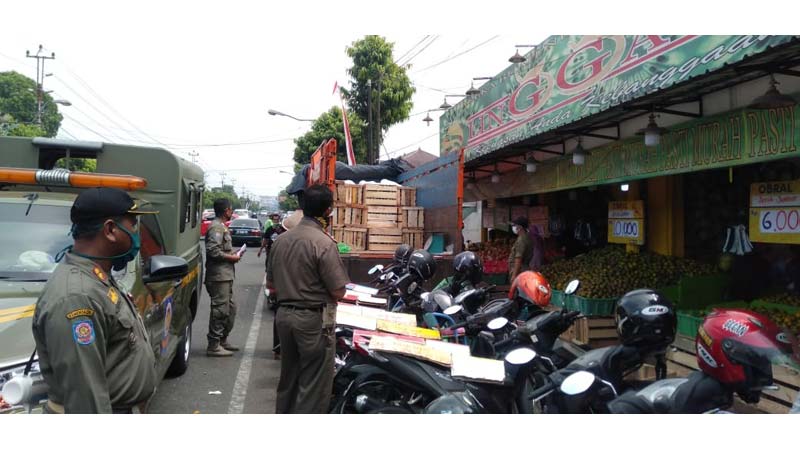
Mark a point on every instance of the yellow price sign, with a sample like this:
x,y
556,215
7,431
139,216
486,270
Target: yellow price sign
x,y
405,330
775,225
626,222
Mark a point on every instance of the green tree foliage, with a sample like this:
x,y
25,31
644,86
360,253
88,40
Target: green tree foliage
x,y
373,60
78,164
329,125
288,202
223,192
18,101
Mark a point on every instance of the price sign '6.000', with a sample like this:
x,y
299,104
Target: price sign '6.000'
x,y
626,222
775,212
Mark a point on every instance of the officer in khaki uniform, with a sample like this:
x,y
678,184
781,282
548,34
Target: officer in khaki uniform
x,y
307,291
220,272
93,349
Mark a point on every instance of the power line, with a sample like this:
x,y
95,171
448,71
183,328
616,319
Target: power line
x,y
250,168
422,50
85,127
458,54
411,145
397,61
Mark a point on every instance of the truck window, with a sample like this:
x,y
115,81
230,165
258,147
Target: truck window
x,y
194,206
152,241
186,211
30,242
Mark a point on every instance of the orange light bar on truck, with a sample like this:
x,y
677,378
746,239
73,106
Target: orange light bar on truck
x,y
60,177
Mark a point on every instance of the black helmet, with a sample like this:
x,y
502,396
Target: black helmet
x,y
402,253
646,318
421,264
468,267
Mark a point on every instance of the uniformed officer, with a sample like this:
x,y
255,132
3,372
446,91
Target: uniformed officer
x,y
522,251
220,272
307,290
93,349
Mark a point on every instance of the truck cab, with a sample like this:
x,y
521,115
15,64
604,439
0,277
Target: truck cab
x,y
35,202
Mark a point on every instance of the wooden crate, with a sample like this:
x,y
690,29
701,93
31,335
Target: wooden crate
x,y
354,237
408,196
383,217
384,239
349,215
414,238
381,195
348,194
683,361
412,217
595,331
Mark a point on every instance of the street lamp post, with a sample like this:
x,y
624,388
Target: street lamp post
x,y
272,112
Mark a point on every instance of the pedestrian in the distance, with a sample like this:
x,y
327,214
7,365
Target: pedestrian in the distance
x,y
94,351
220,273
307,290
522,249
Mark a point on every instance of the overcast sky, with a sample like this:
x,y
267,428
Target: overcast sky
x,y
199,76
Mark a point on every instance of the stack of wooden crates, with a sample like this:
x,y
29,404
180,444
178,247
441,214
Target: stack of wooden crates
x,y
377,217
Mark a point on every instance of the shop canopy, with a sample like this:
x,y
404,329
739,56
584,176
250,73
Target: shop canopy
x,y
572,86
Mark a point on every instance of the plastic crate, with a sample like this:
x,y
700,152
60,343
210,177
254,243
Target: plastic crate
x,y
557,298
697,293
591,306
673,293
688,322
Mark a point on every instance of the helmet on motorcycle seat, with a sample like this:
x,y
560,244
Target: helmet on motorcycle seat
x,y
533,287
467,266
645,318
402,253
736,347
421,264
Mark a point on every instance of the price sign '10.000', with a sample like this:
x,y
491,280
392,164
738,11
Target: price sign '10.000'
x,y
775,212
626,222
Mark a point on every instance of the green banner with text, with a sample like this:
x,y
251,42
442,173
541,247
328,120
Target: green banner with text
x,y
568,78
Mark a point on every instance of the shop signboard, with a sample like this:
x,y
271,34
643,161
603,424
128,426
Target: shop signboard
x,y
775,212
736,138
568,78
626,222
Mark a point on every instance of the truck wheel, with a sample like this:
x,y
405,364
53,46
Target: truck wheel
x,y
180,362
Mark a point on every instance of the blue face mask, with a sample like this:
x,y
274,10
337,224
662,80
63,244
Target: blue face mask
x,y
120,261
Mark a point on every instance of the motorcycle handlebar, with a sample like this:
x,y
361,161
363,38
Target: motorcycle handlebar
x,y
542,391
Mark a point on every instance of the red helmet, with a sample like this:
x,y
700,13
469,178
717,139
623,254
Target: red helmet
x,y
736,347
533,287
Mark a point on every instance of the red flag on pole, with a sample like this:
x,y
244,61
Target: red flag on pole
x,y
351,156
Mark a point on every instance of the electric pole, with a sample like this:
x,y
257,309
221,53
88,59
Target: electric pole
x,y
222,179
194,154
379,136
40,59
369,121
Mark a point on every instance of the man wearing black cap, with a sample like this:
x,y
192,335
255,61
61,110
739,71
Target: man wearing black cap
x,y
522,251
93,349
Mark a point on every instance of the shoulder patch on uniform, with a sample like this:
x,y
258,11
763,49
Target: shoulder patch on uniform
x,y
80,312
217,236
100,274
83,332
113,296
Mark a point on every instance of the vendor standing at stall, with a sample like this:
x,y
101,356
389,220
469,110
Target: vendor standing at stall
x,y
522,250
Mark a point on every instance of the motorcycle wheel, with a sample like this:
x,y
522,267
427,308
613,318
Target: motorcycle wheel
x,y
377,389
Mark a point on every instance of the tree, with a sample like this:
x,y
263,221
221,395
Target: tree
x,y
287,202
329,125
373,62
18,102
223,192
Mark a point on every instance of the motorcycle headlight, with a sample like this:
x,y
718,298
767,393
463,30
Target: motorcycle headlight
x,y
454,403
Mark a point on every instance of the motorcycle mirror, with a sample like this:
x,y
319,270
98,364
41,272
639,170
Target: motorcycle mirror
x,y
577,383
455,309
572,287
460,297
520,356
376,268
497,323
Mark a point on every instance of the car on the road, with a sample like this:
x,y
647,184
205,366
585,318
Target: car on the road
x,y
35,201
207,219
245,231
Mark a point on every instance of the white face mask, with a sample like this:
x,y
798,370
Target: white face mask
x,y
515,229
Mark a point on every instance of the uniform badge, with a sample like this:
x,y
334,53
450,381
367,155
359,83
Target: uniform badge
x,y
217,237
113,296
100,274
83,332
80,312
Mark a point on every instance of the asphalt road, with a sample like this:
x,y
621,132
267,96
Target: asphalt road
x,y
246,382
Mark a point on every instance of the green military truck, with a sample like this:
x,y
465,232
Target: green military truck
x,y
35,202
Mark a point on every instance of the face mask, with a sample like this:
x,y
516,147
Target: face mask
x,y
515,229
120,261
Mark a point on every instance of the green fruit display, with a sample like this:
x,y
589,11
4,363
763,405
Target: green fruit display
x,y
610,272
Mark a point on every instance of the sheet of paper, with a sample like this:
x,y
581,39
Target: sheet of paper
x,y
394,345
242,250
361,289
481,369
364,336
453,349
401,318
352,320
396,328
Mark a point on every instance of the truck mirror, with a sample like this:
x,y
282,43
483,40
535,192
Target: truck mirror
x,y
165,268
